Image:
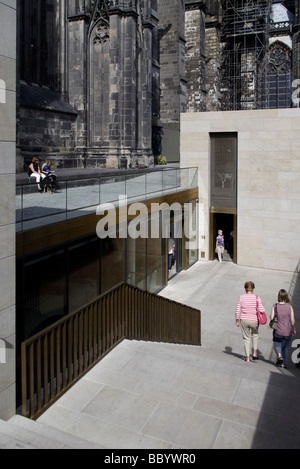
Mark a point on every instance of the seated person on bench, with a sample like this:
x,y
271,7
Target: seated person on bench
x,y
46,169
50,177
35,172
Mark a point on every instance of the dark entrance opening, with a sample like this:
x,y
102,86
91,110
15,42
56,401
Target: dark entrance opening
x,y
226,223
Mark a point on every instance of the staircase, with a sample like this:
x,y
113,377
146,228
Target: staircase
x,y
142,394
22,433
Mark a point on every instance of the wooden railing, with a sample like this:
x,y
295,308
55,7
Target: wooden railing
x,y
54,359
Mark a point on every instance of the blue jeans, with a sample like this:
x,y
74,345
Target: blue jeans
x,y
282,344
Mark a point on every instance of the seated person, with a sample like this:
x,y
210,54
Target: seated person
x,y
46,169
35,172
50,177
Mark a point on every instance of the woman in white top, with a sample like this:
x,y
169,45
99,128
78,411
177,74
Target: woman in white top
x,y
35,172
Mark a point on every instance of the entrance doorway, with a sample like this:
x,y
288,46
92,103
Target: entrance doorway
x,y
227,223
175,248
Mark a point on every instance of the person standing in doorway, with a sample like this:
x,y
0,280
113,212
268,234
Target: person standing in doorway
x,y
246,317
220,245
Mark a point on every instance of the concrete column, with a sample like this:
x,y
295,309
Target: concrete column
x,y
195,58
172,77
130,85
296,42
7,207
145,92
77,78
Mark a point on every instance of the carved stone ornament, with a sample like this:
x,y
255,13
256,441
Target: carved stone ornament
x,y
100,21
280,59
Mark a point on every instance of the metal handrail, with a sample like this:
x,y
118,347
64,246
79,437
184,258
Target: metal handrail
x,y
57,357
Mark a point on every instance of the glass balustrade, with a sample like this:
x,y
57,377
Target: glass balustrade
x,y
74,198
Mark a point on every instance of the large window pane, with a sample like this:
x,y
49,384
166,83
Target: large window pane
x,y
280,75
155,264
38,42
84,273
175,243
44,292
113,263
223,170
136,262
191,232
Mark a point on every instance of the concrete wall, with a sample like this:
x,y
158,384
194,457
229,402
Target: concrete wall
x,y
7,205
268,191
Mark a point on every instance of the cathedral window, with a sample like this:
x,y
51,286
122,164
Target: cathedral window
x,y
280,76
38,43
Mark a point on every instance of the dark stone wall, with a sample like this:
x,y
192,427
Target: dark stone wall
x,y
296,43
117,76
203,55
172,74
296,56
213,65
107,64
228,59
195,59
172,58
46,126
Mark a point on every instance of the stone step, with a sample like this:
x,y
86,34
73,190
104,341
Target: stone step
x,y
221,359
208,355
22,433
13,437
10,439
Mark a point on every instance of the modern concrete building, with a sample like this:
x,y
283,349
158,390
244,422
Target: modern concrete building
x,y
249,167
241,128
7,206
98,84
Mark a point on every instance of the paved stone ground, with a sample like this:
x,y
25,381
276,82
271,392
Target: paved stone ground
x,y
166,396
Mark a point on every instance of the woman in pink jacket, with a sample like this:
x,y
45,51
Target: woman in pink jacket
x,y
246,317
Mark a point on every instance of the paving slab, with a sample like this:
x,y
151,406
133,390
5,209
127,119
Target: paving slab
x,y
146,395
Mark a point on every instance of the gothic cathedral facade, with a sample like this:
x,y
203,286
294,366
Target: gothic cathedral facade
x,y
88,82
102,83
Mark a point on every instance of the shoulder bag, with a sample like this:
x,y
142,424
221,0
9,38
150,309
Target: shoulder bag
x,y
274,322
261,316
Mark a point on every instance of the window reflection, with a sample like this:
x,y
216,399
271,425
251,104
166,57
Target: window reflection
x,y
136,260
174,243
44,292
112,263
192,232
155,264
223,169
61,280
83,272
